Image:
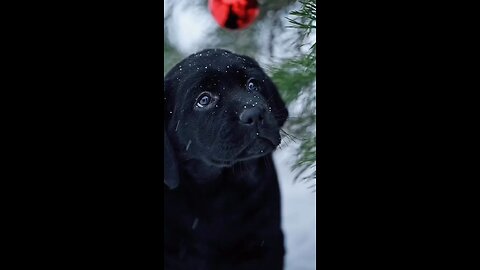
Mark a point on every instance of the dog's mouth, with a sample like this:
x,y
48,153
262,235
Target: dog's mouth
x,y
258,148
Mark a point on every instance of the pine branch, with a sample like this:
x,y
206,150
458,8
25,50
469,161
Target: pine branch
x,y
296,79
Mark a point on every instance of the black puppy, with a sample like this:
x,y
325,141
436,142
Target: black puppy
x,y
222,201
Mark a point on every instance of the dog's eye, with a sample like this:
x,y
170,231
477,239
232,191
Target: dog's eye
x,y
252,85
204,100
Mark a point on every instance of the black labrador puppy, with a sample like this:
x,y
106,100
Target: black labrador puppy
x,y
222,202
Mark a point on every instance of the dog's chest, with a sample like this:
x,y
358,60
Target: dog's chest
x,y
221,210
225,214
232,219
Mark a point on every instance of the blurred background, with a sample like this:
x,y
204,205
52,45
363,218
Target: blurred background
x,y
283,41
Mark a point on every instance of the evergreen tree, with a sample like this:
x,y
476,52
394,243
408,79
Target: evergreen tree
x,y
296,79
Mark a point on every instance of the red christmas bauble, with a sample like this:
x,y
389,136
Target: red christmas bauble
x,y
234,14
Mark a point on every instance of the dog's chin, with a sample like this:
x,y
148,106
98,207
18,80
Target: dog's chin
x,y
261,147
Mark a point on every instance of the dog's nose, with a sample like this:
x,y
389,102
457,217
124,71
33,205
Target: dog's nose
x,y
252,116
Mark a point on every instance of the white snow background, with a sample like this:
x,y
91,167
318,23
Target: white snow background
x,y
191,29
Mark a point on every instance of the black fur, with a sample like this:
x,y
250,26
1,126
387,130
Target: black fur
x,y
222,200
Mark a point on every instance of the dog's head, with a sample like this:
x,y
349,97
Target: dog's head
x,y
221,108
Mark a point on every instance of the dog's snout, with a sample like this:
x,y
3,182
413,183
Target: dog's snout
x,y
252,116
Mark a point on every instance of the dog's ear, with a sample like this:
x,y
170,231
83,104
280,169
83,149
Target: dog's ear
x,y
171,177
280,110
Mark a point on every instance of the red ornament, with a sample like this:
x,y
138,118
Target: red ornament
x,y
234,14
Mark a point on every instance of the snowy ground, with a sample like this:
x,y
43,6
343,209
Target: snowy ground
x,y
298,215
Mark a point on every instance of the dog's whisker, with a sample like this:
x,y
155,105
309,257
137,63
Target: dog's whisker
x,y
288,135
